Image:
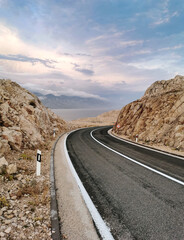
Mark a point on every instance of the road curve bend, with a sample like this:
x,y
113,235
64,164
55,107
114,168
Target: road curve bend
x,y
134,201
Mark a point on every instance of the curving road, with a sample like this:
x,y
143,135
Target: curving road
x,y
136,201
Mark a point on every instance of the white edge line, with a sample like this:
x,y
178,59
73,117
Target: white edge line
x,y
141,164
139,145
100,224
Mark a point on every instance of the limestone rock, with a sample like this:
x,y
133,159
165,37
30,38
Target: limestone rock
x,y
3,163
24,121
158,116
11,169
13,137
4,147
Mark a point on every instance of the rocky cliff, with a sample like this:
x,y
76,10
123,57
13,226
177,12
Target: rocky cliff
x,y
158,117
24,121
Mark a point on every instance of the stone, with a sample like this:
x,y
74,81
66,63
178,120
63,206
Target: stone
x,y
23,219
9,211
19,177
15,212
14,197
3,163
2,234
13,137
21,215
8,230
4,147
4,209
11,169
9,216
7,222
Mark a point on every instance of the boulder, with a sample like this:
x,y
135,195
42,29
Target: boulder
x,y
13,137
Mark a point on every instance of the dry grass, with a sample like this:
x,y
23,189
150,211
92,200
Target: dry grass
x,y
38,191
3,202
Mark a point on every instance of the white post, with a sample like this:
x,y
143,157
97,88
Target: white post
x,y
38,163
54,133
136,138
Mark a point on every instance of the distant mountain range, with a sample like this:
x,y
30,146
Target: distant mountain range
x,y
70,102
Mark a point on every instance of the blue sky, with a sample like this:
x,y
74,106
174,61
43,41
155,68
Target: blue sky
x,y
106,49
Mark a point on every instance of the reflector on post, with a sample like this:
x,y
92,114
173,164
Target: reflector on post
x,y
38,163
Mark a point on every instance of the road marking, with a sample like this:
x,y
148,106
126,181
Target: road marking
x,y
134,161
141,146
100,224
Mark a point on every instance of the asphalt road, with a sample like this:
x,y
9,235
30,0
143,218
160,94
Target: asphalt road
x,y
135,202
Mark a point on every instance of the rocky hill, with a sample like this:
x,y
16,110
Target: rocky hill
x,y
24,121
71,102
158,117
25,126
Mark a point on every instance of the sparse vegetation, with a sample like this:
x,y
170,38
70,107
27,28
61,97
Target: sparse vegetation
x,y
25,156
3,202
5,175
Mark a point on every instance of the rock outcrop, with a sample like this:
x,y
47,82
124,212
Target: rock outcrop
x,y
24,121
158,117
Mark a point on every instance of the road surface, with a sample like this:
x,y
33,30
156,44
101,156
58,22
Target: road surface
x,y
134,201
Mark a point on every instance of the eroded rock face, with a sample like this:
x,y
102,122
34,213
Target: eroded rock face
x,y
158,117
24,121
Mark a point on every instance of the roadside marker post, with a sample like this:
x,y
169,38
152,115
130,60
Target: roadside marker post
x,y
54,133
136,138
38,163
118,127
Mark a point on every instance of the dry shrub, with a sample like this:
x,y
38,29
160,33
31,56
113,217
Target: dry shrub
x,y
3,202
6,176
39,192
25,156
31,189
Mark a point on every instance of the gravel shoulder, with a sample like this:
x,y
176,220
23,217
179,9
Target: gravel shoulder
x,y
76,221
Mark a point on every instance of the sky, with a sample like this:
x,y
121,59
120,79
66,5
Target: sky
x,y
106,49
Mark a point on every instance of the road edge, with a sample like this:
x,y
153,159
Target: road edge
x,y
102,229
145,146
54,215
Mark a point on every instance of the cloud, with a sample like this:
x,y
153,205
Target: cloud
x,y
131,43
166,18
53,89
85,71
96,39
171,48
68,54
164,14
20,58
83,55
